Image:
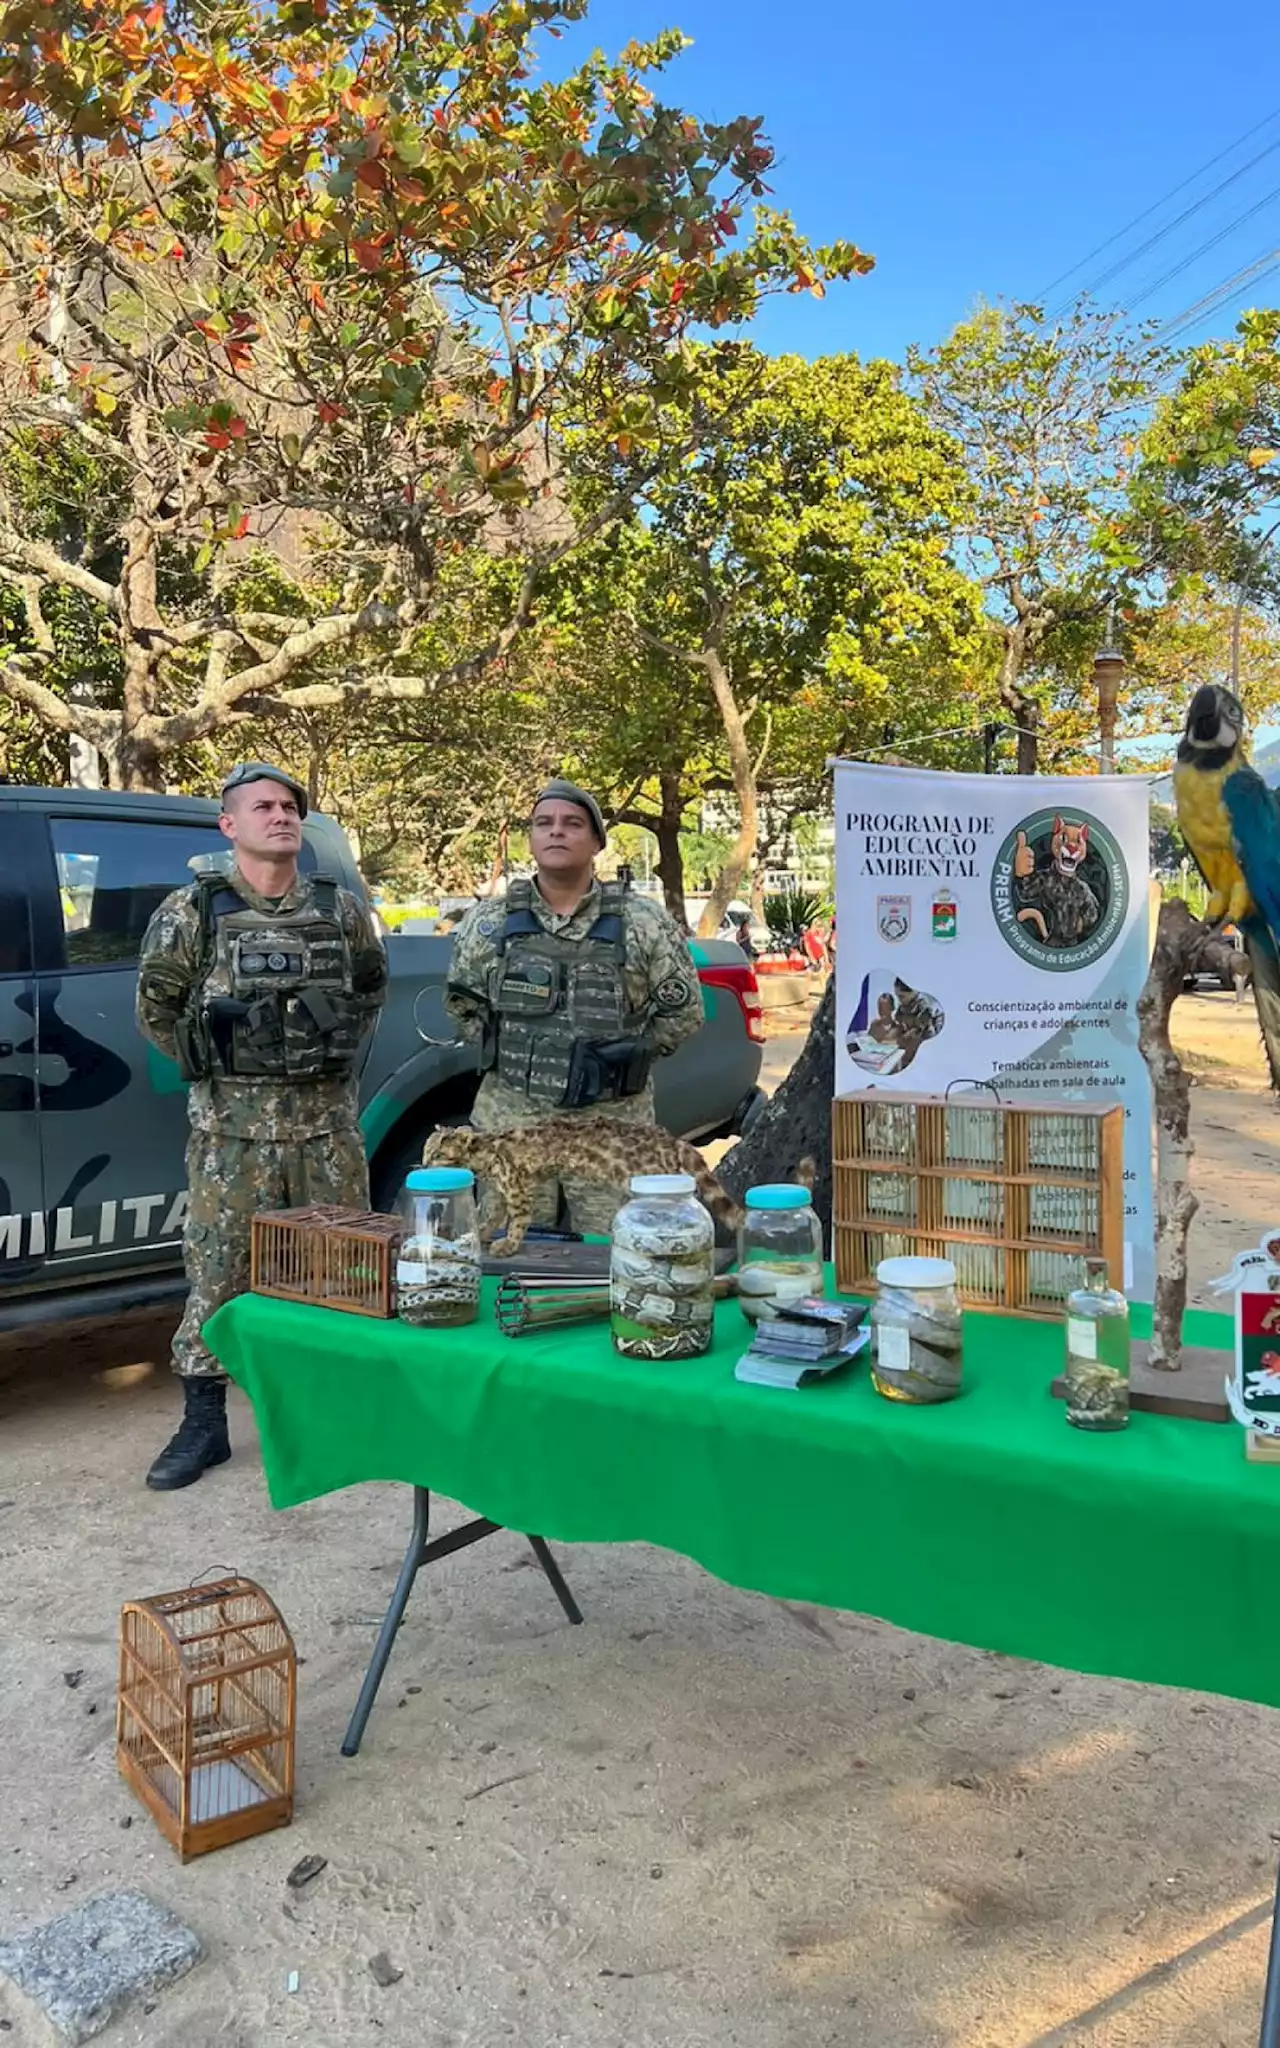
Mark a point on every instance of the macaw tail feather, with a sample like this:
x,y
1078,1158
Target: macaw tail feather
x,y
1264,959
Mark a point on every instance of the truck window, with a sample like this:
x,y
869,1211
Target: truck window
x,y
15,922
114,872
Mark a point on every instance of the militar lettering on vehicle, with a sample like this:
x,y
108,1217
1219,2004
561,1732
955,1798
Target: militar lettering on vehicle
x,y
137,1219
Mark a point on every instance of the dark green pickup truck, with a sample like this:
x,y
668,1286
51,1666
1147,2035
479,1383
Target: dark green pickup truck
x,y
93,1119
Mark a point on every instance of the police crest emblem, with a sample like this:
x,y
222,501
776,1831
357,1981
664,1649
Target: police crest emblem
x,y
893,917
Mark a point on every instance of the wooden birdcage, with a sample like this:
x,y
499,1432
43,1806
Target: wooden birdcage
x,y
205,1713
334,1258
1017,1197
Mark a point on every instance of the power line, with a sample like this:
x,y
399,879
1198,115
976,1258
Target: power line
x,y
1222,294
1185,264
1188,213
1156,204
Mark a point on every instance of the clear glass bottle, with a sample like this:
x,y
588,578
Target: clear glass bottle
x,y
662,1269
438,1269
916,1330
1098,1352
779,1249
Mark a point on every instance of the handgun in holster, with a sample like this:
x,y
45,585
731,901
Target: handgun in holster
x,y
222,1014
604,1072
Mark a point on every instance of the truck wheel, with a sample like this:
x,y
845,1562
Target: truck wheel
x,y
402,1150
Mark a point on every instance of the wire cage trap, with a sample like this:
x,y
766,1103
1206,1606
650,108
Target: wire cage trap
x,y
1017,1197
330,1257
205,1713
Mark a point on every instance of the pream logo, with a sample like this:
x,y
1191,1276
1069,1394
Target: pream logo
x,y
1060,890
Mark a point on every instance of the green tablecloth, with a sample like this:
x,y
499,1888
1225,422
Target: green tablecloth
x,y
1150,1554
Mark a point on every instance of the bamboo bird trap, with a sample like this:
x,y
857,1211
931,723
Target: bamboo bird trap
x,y
330,1257
1016,1197
205,1713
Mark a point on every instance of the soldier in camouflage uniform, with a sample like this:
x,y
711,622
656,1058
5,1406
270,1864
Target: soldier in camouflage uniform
x,y
573,988
261,983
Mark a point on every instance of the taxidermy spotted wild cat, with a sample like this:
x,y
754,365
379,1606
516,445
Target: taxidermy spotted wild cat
x,y
597,1149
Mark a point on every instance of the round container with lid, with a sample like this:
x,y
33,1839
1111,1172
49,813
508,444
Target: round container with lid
x,y
662,1269
438,1269
915,1329
779,1249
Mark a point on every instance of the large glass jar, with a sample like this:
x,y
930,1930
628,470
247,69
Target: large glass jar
x,y
438,1270
915,1330
779,1250
662,1269
1098,1353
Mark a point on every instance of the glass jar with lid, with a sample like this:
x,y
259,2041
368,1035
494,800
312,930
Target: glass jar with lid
x,y
438,1268
779,1249
1098,1352
915,1330
662,1269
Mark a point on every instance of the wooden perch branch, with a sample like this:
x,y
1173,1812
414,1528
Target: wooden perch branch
x,y
1183,947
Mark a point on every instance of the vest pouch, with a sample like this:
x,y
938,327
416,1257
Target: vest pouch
x,y
525,986
597,997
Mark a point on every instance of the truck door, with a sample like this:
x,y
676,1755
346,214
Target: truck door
x,y
21,1193
113,1111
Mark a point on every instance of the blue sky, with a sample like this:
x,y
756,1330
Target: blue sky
x,y
978,152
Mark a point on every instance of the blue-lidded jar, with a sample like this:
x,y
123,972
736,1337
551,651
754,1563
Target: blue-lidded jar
x,y
779,1249
438,1270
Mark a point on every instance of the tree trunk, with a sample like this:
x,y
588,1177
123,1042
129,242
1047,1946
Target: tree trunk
x,y
135,764
796,1123
670,863
1023,710
729,881
1182,944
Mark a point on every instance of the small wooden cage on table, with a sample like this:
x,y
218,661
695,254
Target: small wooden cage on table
x,y
331,1257
205,1713
1017,1197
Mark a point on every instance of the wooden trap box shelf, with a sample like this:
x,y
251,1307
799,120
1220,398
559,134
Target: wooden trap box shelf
x,y
1017,1197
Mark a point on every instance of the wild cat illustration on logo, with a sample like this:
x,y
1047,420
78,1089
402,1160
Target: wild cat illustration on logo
x,y
1060,890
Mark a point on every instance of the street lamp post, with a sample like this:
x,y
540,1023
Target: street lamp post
x,y
1108,673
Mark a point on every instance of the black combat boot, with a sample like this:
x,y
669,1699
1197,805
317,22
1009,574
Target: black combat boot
x,y
201,1440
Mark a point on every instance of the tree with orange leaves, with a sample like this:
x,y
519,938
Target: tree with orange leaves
x,y
325,277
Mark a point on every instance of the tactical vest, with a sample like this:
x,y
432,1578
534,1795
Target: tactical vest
x,y
276,1000
554,997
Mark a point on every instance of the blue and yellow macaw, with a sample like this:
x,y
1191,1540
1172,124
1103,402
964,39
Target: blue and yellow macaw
x,y
1230,820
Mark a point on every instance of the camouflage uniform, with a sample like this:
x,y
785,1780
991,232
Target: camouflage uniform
x,y
254,1144
663,992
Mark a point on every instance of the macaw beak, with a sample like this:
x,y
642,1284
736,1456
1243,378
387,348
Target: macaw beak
x,y
1203,715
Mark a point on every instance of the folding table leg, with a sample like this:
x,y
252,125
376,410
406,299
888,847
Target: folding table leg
x,y
556,1578
422,1551
391,1621
1270,2035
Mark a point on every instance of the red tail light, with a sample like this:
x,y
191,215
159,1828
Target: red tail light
x,y
740,982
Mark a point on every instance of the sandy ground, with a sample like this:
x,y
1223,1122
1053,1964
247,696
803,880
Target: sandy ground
x,y
705,1818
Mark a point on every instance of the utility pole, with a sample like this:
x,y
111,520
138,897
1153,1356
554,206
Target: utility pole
x,y
990,734
1108,673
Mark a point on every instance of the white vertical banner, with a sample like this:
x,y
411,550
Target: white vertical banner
x,y
995,928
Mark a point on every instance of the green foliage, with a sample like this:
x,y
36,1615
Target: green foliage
x,y
1210,481
1045,415
790,912
801,541
1168,847
335,277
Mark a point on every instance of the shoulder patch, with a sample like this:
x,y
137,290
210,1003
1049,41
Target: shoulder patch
x,y
674,992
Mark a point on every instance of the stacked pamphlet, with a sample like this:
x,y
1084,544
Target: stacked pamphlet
x,y
803,1343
